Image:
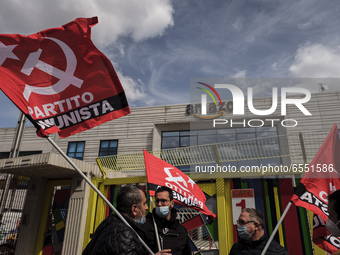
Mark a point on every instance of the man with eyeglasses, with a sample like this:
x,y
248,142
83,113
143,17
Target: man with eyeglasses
x,y
113,237
250,229
172,235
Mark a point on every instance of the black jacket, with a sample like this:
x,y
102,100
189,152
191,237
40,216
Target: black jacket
x,y
256,247
113,237
175,239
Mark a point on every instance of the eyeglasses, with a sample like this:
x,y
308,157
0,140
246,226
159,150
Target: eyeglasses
x,y
163,201
242,223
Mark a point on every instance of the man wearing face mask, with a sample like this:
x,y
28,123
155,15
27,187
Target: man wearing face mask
x,y
172,235
333,221
250,229
113,236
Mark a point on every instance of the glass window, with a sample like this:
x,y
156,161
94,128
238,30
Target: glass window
x,y
76,150
4,155
170,134
206,139
246,151
28,153
223,138
184,141
108,148
245,136
170,142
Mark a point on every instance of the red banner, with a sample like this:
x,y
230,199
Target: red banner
x,y
60,79
321,179
186,192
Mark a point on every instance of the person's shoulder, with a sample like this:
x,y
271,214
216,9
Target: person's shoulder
x,y
181,226
275,246
235,249
148,223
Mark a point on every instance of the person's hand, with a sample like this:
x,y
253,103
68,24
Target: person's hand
x,y
164,252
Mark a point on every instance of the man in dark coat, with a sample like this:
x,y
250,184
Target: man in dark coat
x,y
333,221
113,237
250,228
172,235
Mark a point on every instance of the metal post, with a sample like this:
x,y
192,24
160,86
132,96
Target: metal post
x,y
276,228
155,226
13,154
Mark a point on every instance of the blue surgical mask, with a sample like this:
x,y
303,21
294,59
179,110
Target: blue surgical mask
x,y
140,222
162,211
243,233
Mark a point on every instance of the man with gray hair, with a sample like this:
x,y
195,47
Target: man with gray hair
x,y
250,229
113,236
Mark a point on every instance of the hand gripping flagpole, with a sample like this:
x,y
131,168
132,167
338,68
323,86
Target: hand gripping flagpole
x,y
96,190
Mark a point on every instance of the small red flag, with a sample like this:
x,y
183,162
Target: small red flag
x,y
60,80
186,192
320,180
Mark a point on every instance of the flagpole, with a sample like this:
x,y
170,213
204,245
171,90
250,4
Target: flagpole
x,y
155,226
280,221
97,191
276,228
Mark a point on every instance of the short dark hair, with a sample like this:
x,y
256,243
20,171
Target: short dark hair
x,y
255,215
127,196
335,196
164,188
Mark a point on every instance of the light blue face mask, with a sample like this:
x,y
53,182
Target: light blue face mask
x,y
140,222
243,233
162,211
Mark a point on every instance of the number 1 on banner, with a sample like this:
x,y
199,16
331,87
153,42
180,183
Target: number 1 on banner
x,y
242,204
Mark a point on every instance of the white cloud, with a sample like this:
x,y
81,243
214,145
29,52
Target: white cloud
x,y
240,74
315,61
140,19
238,24
134,90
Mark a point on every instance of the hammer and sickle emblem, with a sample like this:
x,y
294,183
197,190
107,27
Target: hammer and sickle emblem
x,y
66,78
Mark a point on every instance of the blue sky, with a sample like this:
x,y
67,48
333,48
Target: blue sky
x,y
156,46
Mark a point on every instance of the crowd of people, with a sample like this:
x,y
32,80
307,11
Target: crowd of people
x,y
162,232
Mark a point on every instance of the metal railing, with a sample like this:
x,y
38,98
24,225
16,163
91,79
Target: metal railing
x,y
282,146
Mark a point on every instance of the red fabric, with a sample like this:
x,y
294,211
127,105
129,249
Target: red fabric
x,y
321,236
291,222
193,223
186,192
61,79
315,186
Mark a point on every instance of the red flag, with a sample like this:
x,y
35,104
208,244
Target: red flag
x,y
186,192
59,78
321,179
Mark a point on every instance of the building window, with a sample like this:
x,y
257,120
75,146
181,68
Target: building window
x,y
76,150
21,154
176,139
108,148
28,153
4,155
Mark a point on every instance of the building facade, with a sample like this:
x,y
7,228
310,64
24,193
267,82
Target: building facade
x,y
160,128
